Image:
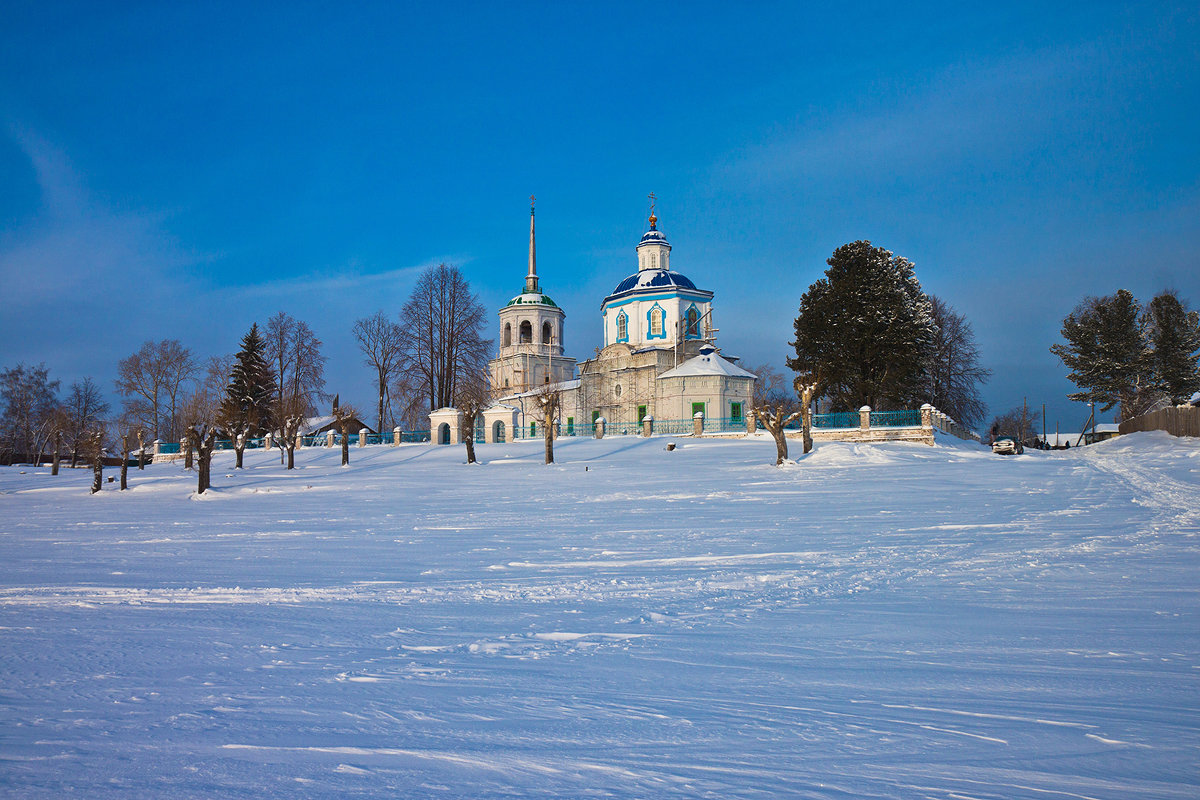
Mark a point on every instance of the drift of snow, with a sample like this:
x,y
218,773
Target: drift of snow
x,y
871,621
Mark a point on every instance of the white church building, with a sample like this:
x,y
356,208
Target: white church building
x,y
659,357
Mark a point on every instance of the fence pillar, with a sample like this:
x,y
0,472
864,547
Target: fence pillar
x,y
183,446
647,425
927,416
600,423
751,423
362,438
156,444
329,438
268,440
864,418
698,423
396,436
299,440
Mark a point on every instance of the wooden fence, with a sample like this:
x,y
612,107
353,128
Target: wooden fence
x,y
1177,421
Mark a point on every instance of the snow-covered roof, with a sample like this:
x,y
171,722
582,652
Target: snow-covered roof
x,y
707,363
314,424
1195,399
562,386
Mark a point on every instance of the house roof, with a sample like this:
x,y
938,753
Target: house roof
x,y
708,363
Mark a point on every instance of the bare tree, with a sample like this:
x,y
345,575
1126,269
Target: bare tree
x,y
202,438
547,404
807,387
442,323
775,418
96,454
152,381
953,374
1017,422
343,417
294,353
290,418
410,403
29,400
471,400
381,341
123,437
57,450
84,407
141,440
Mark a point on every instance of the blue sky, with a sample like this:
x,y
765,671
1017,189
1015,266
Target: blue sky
x,y
183,170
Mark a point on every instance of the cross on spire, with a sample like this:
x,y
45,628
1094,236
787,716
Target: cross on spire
x,y
653,219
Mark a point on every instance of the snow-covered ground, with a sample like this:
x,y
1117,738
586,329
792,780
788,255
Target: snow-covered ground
x,y
873,621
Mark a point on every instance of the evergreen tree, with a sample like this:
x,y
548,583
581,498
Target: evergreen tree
x,y
865,330
1174,334
251,390
1107,353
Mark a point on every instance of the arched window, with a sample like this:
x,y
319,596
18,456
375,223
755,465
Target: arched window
x,y
546,331
693,323
654,261
622,327
656,321
507,334
526,334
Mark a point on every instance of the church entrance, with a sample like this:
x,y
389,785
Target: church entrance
x,y
498,431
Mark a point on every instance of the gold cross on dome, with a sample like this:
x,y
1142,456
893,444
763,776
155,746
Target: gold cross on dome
x,y
652,199
531,200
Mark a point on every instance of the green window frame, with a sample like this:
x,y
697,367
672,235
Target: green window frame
x,y
698,408
735,412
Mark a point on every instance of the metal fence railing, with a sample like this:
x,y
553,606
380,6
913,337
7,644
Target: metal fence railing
x,y
896,419
837,419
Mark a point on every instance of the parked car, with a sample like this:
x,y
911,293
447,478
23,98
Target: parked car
x,y
1007,446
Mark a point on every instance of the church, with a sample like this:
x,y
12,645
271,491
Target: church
x,y
659,357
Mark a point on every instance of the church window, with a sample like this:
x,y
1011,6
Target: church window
x,y
622,327
617,390
697,408
656,322
546,330
532,429
653,260
693,323
526,333
570,426
507,334
641,414
735,412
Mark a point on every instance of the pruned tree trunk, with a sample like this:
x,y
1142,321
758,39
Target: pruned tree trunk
x,y
124,462
469,435
141,437
97,462
187,452
203,444
776,420
57,446
345,445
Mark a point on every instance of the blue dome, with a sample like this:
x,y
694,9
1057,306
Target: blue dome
x,y
656,278
653,235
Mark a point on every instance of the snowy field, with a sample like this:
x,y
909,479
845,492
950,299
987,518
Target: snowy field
x,y
873,621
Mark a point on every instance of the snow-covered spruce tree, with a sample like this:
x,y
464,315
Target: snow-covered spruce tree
x,y
247,409
866,328
1174,334
1107,353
